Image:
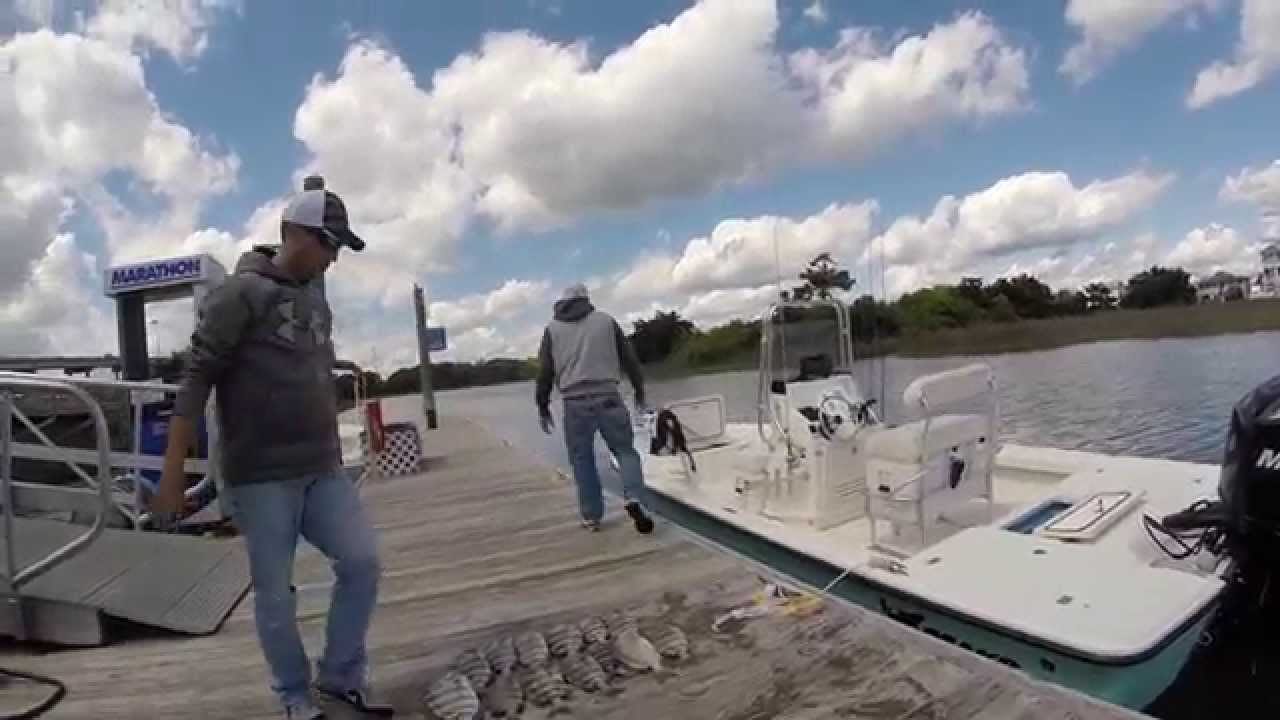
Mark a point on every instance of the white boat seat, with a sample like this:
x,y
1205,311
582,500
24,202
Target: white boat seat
x,y
909,443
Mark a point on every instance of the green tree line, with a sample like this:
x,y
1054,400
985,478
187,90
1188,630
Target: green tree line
x,y
444,376
667,336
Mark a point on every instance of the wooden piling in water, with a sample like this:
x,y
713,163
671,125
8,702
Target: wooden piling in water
x,y
485,543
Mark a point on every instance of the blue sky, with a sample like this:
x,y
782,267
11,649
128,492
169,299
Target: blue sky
x,y
497,151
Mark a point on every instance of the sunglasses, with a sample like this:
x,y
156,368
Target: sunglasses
x,y
325,239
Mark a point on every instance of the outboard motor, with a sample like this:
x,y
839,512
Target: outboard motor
x,y
1245,522
1243,528
1250,481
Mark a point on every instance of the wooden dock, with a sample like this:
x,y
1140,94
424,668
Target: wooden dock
x,y
486,542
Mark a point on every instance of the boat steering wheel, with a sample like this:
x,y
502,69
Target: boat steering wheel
x,y
838,417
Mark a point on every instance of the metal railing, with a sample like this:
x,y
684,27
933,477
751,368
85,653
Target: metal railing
x,y
13,578
128,466
133,462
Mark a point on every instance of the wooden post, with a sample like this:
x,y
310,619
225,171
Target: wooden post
x,y
424,359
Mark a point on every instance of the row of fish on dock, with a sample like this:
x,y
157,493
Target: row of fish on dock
x,y
495,681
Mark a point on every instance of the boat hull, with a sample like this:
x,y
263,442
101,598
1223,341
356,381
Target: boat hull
x,y
1133,684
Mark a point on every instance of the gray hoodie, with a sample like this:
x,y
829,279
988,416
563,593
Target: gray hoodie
x,y
263,343
584,352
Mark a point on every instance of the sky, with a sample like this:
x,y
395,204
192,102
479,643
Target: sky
x,y
671,155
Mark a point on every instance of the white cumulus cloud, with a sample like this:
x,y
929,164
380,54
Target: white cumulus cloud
x,y
1110,27
731,272
748,252
58,309
1206,250
867,92
179,28
1256,56
816,12
72,111
75,111
512,298
1259,186
716,307
528,133
1035,210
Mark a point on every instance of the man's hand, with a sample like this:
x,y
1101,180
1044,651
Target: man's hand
x,y
546,421
169,499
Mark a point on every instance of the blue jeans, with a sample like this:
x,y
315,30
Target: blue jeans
x,y
583,416
326,511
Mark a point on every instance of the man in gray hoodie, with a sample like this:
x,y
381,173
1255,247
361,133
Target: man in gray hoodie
x,y
263,343
584,354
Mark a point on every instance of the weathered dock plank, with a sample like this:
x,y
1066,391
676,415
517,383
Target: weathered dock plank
x,y
485,543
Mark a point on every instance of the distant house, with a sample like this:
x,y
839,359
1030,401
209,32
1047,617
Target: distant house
x,y
1223,286
1266,284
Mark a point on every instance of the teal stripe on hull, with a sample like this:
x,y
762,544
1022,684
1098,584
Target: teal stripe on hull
x,y
1132,686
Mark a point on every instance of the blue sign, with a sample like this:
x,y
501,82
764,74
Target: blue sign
x,y
436,340
154,436
155,274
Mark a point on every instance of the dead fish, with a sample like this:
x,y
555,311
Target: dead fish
x,y
504,698
474,667
501,654
451,697
594,630
635,651
584,672
602,653
532,650
542,687
564,640
671,642
618,622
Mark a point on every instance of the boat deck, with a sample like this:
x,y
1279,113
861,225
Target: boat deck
x,y
485,542
1130,595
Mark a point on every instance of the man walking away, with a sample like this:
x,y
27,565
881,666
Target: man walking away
x,y
584,354
263,342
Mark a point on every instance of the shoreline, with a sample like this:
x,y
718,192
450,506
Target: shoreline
x,y
1164,323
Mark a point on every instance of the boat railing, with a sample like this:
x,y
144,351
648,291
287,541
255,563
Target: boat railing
x,y
14,578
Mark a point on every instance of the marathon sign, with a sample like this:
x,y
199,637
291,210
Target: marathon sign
x,y
157,274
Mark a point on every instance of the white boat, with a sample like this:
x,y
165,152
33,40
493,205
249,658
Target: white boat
x,y
1036,557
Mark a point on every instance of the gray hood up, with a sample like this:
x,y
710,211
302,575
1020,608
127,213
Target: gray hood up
x,y
572,309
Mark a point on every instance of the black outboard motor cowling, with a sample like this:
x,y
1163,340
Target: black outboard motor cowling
x,y
1242,656
1250,481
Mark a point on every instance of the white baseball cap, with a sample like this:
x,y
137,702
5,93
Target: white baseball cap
x,y
318,208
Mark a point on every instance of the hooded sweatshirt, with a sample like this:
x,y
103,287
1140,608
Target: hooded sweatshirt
x,y
584,352
262,342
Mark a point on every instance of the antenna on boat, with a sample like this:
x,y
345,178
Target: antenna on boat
x,y
876,351
777,269
884,361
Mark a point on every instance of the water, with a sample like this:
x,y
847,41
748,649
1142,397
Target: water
x,y
1163,398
